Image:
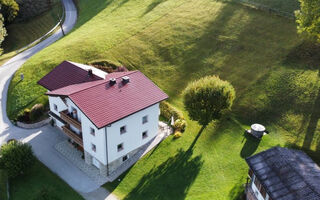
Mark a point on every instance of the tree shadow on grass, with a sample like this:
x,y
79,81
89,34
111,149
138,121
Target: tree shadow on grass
x,y
172,179
152,6
250,146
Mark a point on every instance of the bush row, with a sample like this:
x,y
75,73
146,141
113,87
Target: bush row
x,y
168,111
31,115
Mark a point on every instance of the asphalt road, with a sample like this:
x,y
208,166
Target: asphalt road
x,y
44,139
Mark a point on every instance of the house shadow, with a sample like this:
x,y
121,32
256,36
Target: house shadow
x,y
250,146
171,179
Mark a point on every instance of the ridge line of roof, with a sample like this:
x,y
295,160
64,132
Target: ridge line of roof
x,y
104,81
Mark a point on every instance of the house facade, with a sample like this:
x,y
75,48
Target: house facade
x,y
109,119
282,174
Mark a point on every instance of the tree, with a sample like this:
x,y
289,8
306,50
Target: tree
x,y
15,158
9,10
308,18
3,32
206,98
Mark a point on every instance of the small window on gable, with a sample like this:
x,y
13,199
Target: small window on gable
x,y
92,131
55,107
123,129
120,147
144,134
93,147
124,158
145,119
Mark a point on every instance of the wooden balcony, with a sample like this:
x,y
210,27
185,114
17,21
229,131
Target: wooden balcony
x,y
74,136
69,119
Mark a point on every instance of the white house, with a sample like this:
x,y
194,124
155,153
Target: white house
x,y
110,116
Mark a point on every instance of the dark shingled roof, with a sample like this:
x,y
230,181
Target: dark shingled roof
x,y
66,74
286,174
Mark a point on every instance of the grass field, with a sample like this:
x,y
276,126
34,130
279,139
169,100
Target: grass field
x,y
39,179
274,72
23,33
288,6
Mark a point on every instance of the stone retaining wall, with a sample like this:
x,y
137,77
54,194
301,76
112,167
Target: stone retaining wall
x,y
35,125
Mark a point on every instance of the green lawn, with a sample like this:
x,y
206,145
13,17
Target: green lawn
x,y
274,72
288,6
38,179
23,33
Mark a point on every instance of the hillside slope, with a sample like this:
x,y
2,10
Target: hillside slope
x,y
174,42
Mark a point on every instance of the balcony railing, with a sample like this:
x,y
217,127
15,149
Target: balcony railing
x,y
69,119
74,136
249,193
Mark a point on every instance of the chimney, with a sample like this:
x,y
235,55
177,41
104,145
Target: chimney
x,y
90,74
112,81
125,80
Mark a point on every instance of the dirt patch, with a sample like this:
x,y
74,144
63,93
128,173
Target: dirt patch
x,y
108,66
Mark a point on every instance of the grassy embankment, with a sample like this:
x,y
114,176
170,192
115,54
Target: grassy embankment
x,y
23,33
40,180
174,42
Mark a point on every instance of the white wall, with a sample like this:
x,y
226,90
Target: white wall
x,y
99,140
88,139
71,105
132,139
60,104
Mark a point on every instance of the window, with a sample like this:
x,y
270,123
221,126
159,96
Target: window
x,y
144,134
123,129
124,158
120,147
55,107
93,147
92,131
145,119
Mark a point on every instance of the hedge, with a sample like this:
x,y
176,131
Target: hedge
x,y
167,111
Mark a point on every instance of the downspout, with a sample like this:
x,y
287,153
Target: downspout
x,y
107,150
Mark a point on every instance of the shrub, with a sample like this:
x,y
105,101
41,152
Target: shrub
x,y
36,112
177,134
15,158
9,9
24,116
180,125
46,194
206,98
167,111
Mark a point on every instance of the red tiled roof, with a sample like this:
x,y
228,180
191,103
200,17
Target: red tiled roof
x,y
66,74
104,104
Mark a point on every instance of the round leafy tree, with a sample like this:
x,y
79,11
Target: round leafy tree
x,y
206,98
16,157
308,18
